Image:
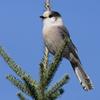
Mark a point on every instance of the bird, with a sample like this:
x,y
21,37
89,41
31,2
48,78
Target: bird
x,y
54,32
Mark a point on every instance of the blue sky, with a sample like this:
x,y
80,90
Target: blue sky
x,y
21,37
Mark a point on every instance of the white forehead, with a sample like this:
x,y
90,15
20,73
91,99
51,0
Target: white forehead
x,y
46,13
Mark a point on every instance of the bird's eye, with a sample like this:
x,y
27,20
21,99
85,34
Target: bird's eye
x,y
50,16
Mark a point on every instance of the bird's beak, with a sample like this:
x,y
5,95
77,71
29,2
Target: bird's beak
x,y
42,17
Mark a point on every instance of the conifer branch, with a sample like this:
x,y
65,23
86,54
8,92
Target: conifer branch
x,y
47,5
43,72
58,85
44,65
45,58
55,95
16,68
31,88
19,84
42,78
21,97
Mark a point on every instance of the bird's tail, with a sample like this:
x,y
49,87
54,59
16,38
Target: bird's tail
x,y
80,73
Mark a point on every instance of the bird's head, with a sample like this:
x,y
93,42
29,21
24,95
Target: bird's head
x,y
51,18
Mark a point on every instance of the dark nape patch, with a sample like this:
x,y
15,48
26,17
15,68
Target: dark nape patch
x,y
56,14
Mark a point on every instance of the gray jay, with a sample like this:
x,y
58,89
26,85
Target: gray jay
x,y
54,32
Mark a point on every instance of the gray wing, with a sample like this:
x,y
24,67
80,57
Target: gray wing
x,y
65,32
